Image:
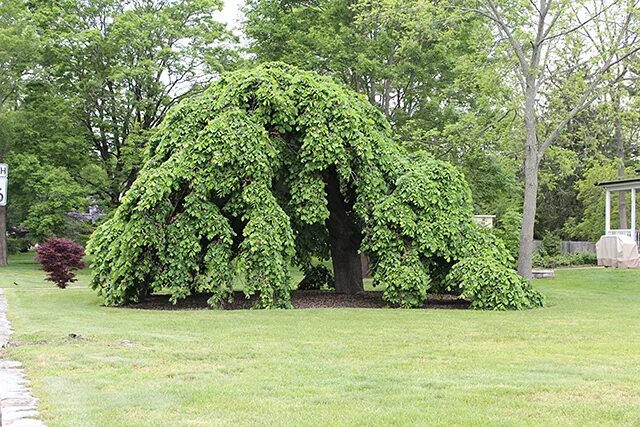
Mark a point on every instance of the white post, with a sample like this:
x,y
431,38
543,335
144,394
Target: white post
x,y
607,213
633,214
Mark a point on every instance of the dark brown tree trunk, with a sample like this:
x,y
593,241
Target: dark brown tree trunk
x,y
366,265
345,239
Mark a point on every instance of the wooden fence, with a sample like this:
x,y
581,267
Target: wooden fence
x,y
571,247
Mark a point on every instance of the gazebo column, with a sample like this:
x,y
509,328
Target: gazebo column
x,y
607,213
633,214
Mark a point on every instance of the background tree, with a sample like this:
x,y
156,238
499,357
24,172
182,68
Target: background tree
x,y
17,51
123,64
48,158
432,70
590,140
537,33
82,86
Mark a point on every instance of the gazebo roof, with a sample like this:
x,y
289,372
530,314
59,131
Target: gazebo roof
x,y
621,184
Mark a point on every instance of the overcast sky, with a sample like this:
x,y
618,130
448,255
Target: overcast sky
x,y
231,13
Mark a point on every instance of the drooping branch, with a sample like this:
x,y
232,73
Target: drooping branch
x,y
236,183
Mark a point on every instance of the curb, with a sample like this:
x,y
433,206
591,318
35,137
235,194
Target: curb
x,y
18,407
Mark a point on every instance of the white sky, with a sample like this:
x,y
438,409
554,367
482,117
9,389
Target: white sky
x,y
231,14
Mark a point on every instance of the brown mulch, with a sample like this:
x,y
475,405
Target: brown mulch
x,y
299,299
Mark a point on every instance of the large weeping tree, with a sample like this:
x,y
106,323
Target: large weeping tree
x,y
273,167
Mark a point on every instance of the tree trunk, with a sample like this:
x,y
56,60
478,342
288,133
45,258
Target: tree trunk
x,y
622,195
3,235
366,265
525,255
344,238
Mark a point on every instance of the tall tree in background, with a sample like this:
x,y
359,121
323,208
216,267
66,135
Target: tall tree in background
x,y
537,32
431,69
123,64
17,51
82,83
48,155
604,134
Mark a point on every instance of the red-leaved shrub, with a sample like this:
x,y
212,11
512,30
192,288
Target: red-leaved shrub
x,y
59,257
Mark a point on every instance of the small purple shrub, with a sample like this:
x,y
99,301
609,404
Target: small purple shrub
x,y
59,257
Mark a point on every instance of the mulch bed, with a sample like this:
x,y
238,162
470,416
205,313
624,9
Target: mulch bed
x,y
299,299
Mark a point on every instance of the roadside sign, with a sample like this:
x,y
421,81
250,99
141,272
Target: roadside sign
x,y
4,174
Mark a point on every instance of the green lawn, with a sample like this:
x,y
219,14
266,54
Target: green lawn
x,y
576,362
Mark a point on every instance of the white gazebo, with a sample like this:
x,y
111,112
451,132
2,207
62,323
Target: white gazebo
x,y
622,185
619,246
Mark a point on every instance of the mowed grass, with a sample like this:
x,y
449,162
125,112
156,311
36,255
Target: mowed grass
x,y
575,362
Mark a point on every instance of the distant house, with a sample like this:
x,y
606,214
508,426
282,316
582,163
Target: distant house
x,y
484,220
93,215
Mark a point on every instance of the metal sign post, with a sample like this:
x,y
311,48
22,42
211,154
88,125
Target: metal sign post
x,y
4,176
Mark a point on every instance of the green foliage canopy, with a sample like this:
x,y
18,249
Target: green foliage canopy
x,y
122,64
431,67
234,185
